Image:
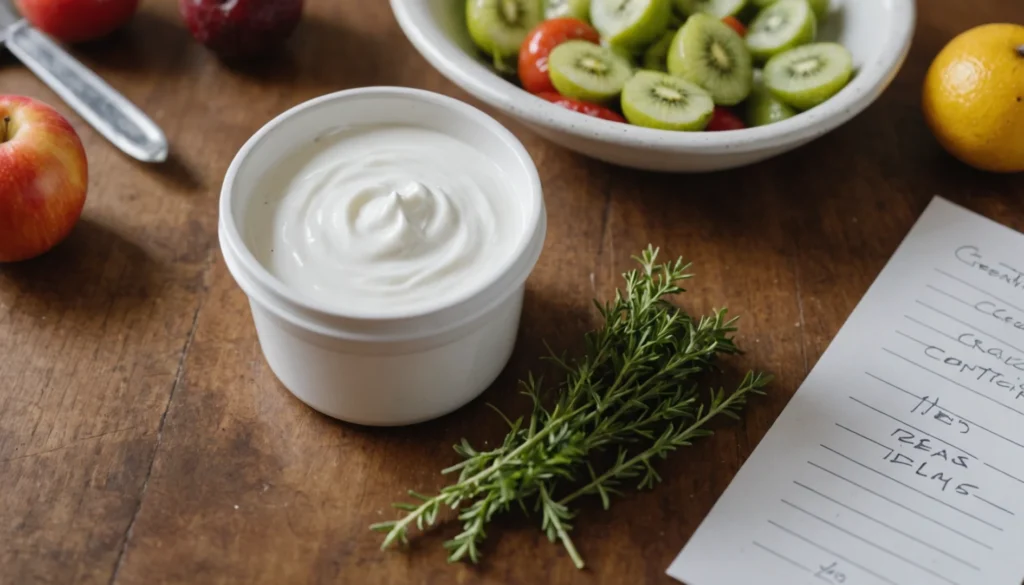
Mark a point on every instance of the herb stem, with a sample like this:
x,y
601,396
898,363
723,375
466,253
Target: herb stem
x,y
686,434
403,524
563,536
494,467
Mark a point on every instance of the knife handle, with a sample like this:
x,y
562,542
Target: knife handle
x,y
102,106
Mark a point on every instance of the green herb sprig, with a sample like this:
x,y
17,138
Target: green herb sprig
x,y
632,393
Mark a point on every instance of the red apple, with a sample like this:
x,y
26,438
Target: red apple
x,y
43,178
239,29
75,21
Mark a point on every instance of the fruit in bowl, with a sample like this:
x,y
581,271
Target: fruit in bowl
x,y
538,44
575,8
871,37
665,65
710,54
43,178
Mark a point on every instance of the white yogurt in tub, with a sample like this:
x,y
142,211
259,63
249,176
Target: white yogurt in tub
x,y
383,236
385,218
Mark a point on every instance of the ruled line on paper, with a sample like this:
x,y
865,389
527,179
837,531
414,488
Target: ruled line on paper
x,y
890,527
972,423
981,290
866,438
952,381
913,489
1014,478
950,295
927,326
914,339
903,506
871,544
779,555
994,505
831,552
908,425
965,323
1005,265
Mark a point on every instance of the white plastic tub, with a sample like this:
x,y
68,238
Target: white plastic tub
x,y
359,367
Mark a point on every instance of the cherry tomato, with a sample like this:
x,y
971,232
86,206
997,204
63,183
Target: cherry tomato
x,y
736,25
582,107
533,54
724,119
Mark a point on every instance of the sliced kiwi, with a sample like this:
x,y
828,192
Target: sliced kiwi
x,y
498,27
655,58
809,75
587,71
763,108
820,7
632,24
659,100
709,53
780,27
719,8
624,52
572,8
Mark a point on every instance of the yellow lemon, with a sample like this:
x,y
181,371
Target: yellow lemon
x,y
974,97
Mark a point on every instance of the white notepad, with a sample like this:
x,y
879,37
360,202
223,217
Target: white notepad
x,y
900,460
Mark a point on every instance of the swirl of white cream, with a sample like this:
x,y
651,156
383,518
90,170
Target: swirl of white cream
x,y
382,222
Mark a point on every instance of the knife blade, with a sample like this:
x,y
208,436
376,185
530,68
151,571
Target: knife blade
x,y
99,104
7,18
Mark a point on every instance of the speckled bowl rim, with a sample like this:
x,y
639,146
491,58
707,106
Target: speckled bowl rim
x,y
450,60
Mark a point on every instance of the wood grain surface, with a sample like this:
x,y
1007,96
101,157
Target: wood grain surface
x,y
143,439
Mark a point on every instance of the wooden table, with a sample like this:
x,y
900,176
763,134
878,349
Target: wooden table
x,y
144,440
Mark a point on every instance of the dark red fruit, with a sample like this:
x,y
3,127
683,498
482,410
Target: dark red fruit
x,y
239,29
723,119
587,108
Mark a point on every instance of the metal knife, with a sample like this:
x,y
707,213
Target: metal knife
x,y
113,116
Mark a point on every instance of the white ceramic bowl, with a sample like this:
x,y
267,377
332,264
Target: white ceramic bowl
x,y
877,32
363,368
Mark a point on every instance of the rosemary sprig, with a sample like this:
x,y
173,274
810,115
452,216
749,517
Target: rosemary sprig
x,y
631,394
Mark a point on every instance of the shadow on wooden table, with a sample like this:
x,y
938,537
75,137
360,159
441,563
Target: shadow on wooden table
x,y
139,45
7,60
176,174
321,56
94,268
